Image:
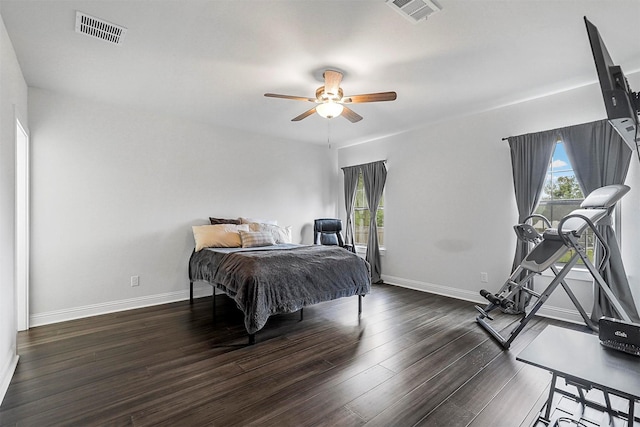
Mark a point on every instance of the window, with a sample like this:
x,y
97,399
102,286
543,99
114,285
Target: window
x,y
361,216
561,195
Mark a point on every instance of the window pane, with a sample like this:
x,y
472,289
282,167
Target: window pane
x,y
361,216
380,218
560,196
561,182
359,199
361,224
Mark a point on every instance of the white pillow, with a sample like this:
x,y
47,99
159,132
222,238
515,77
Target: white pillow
x,y
218,236
280,234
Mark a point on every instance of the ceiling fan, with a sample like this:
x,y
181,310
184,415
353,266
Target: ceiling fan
x,y
330,101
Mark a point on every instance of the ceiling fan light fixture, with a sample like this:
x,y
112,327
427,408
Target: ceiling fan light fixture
x,y
329,109
322,95
329,99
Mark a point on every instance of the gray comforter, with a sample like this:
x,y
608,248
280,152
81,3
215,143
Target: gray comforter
x,y
281,278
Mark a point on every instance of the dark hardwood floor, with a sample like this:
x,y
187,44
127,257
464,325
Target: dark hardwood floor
x,y
412,359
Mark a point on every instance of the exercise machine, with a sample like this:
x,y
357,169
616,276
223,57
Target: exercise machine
x,y
549,248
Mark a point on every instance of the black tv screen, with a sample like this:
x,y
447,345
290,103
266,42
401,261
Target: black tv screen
x,y
620,101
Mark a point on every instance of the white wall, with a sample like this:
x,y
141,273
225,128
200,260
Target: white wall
x,y
13,100
630,239
115,193
449,204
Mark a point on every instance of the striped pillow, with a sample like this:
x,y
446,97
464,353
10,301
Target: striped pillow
x,y
252,239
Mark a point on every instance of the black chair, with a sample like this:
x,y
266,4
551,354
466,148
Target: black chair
x,y
328,231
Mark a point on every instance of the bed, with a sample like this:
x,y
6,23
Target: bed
x,y
279,278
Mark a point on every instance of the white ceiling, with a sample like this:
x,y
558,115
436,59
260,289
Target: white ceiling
x,y
212,61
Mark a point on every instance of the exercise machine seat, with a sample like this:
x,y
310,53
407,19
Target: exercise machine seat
x,y
594,207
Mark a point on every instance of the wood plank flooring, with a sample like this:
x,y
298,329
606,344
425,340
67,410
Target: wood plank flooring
x,y
412,359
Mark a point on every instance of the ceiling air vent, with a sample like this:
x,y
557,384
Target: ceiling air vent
x,y
414,10
98,28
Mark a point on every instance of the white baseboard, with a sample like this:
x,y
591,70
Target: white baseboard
x,y
6,373
558,313
57,316
39,319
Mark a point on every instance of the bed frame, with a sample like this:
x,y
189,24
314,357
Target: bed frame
x,y
252,337
264,285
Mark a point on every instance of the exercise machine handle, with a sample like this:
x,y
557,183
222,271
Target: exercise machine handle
x,y
593,228
544,219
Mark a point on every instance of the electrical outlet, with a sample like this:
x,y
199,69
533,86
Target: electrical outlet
x,y
135,281
484,277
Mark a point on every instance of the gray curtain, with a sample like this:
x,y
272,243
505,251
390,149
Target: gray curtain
x,y
351,174
530,156
600,157
374,176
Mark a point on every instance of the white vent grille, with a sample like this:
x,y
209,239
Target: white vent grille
x,y
414,10
98,28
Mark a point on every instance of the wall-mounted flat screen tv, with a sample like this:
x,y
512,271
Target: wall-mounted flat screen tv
x,y
621,103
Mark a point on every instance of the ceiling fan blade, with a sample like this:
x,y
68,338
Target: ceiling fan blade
x,y
332,81
351,115
295,98
304,115
370,97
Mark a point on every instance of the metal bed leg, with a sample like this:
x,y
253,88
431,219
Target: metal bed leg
x,y
214,305
252,339
359,305
191,292
302,314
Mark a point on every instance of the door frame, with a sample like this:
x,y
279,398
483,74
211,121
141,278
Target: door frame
x,y
22,225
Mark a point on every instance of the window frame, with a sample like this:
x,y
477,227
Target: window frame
x,y
579,271
360,247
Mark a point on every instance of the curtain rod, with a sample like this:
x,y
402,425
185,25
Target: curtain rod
x,y
559,129
383,161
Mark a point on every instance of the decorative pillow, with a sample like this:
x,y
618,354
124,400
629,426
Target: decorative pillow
x,y
215,221
259,221
328,238
252,239
218,236
280,234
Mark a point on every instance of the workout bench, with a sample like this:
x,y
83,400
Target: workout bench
x,y
549,247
